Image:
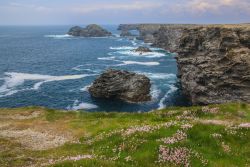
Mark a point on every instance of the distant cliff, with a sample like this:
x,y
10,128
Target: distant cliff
x,y
213,60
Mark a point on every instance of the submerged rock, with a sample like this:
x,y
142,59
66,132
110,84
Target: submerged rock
x,y
122,85
142,49
92,30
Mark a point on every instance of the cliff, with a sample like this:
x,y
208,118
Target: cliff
x,y
213,60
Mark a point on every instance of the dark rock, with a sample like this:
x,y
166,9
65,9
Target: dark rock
x,y
128,27
92,30
142,49
126,34
123,85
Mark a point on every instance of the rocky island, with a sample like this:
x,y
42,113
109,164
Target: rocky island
x,y
213,60
122,85
91,30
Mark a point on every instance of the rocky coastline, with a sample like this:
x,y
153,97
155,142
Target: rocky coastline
x,y
213,60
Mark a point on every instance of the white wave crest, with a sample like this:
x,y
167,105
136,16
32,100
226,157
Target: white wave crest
x,y
106,58
79,68
58,36
155,92
79,106
13,80
134,42
123,48
85,88
140,63
171,90
158,75
117,35
146,54
120,39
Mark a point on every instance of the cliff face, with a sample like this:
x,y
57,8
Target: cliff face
x,y
214,64
213,60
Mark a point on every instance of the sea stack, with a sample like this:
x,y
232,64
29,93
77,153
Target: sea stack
x,y
123,85
91,30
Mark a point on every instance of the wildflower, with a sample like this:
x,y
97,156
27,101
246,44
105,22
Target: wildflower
x,y
178,156
206,109
225,147
177,137
128,158
216,135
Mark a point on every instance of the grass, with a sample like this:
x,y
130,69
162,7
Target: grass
x,y
131,139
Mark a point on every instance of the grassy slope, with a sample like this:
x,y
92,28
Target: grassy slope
x,y
133,139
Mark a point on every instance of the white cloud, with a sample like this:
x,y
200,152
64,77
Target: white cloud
x,y
32,7
212,6
134,6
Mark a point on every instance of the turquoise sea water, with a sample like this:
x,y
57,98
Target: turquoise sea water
x,y
41,66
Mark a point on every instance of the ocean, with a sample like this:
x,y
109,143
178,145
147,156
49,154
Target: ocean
x,y
42,66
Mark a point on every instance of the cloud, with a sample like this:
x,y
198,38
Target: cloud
x,y
32,7
213,6
114,11
132,6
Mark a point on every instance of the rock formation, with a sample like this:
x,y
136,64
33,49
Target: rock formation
x,y
213,60
92,30
214,64
122,85
126,34
142,49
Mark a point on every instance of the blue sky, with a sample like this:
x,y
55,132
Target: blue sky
x,y
64,12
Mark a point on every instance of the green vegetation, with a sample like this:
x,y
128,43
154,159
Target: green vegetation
x,y
216,135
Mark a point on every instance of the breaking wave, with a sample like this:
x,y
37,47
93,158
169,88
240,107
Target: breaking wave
x,y
13,80
85,88
148,54
159,75
79,106
137,63
58,36
122,48
169,92
106,58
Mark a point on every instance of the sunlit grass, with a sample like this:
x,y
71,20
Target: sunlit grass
x,y
132,139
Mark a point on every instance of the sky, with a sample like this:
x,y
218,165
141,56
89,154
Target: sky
x,y
69,12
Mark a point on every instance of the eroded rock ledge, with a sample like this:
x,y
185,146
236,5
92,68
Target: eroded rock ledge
x,y
213,60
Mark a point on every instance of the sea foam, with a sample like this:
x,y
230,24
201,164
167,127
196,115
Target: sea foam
x,y
171,90
58,36
155,92
158,75
79,106
85,88
138,63
147,54
106,58
13,80
122,48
